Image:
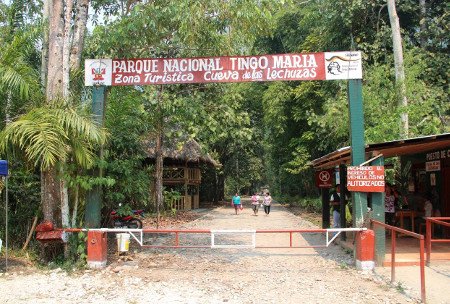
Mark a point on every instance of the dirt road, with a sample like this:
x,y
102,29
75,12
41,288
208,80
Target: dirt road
x,y
214,275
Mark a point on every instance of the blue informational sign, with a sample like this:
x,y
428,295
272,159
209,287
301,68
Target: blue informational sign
x,y
3,167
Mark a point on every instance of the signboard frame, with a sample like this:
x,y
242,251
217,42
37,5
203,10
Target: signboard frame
x,y
273,67
365,179
324,178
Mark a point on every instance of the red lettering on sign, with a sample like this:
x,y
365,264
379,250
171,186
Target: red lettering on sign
x,y
365,179
308,66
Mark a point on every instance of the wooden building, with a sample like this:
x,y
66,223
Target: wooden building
x,y
425,166
426,160
181,171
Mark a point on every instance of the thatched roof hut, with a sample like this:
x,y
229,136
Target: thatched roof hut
x,y
182,169
189,152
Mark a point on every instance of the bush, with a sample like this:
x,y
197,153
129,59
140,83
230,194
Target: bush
x,y
309,204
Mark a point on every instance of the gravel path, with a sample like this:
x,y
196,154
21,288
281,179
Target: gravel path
x,y
214,275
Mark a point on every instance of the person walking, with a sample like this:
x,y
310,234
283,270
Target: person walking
x,y
236,202
255,203
389,205
335,202
267,201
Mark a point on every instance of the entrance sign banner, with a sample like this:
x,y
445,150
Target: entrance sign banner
x,y
365,178
280,67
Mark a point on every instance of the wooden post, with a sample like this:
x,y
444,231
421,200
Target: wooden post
x,y
342,201
30,234
325,208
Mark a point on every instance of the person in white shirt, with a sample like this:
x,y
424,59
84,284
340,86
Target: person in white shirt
x,y
267,201
427,212
255,203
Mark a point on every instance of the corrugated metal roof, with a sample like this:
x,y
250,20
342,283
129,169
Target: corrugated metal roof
x,y
388,149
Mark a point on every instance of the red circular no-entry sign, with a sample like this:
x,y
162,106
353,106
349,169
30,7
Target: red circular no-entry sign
x,y
324,179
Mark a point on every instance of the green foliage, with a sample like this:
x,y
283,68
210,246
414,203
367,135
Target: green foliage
x,y
52,134
306,120
170,197
124,210
124,155
308,204
262,133
76,253
24,202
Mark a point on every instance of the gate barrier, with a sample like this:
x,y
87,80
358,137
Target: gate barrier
x,y
137,234
97,241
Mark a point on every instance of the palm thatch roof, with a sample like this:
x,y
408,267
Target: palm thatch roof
x,y
189,152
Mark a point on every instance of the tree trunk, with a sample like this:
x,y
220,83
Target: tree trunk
x,y
423,23
81,17
158,177
65,213
67,33
159,161
399,67
54,87
51,194
66,48
8,107
220,187
44,56
75,207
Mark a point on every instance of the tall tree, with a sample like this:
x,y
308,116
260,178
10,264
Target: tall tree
x,y
57,72
399,66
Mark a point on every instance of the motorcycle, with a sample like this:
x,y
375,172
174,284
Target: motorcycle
x,y
126,219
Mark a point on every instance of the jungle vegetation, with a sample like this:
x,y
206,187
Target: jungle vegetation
x,y
263,134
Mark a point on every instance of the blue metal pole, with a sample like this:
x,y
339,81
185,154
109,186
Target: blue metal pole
x,y
94,196
359,199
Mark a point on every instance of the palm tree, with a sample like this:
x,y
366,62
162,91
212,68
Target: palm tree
x,y
16,74
52,136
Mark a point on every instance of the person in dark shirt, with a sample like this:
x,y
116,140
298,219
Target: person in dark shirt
x,y
335,202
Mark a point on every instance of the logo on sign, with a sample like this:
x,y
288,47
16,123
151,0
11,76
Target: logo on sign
x,y
98,72
323,179
343,65
324,176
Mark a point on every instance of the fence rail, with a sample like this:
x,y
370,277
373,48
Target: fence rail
x,y
421,239
429,221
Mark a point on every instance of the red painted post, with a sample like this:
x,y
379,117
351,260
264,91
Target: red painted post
x,y
365,249
422,270
290,238
393,244
97,249
428,239
176,238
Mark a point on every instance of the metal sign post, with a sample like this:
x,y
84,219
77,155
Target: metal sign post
x,y
94,196
4,172
359,199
